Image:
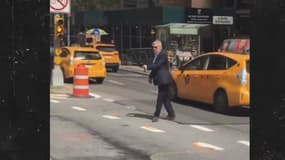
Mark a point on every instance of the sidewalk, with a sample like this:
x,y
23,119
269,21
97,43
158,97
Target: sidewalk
x,y
134,68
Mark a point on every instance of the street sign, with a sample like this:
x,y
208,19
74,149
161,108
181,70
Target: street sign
x,y
60,6
225,20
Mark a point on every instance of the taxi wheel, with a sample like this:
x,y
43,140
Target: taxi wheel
x,y
221,102
99,80
115,69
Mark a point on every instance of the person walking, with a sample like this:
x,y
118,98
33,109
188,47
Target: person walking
x,y
161,77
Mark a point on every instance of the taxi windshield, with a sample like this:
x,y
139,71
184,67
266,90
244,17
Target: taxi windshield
x,y
106,48
80,55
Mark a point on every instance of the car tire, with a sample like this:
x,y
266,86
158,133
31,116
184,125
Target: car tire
x,y
115,69
221,102
99,80
68,80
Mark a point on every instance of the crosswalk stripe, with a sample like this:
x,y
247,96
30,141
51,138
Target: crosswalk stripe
x,y
152,129
78,108
108,100
116,82
209,146
243,142
54,101
202,128
94,95
110,117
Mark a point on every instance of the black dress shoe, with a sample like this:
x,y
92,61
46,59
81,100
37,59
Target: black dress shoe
x,y
154,119
170,118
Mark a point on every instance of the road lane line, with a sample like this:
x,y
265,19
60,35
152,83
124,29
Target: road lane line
x,y
243,142
94,95
116,82
152,129
110,117
108,100
54,101
202,128
78,108
59,95
209,146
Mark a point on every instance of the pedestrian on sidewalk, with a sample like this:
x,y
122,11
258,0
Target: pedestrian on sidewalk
x,y
161,77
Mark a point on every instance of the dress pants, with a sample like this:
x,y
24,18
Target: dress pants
x,y
163,99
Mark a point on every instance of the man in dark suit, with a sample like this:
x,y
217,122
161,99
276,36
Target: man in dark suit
x,y
161,77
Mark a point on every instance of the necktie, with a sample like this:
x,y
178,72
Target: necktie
x,y
154,59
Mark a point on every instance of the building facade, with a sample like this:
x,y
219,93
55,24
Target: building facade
x,y
133,25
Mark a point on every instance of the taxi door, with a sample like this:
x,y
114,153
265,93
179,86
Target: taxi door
x,y
191,80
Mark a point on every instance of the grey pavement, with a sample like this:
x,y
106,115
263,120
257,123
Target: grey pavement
x,y
67,88
134,68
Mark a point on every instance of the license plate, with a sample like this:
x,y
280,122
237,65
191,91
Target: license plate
x,y
108,56
88,65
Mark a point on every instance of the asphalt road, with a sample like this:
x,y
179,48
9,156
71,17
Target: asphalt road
x,y
115,123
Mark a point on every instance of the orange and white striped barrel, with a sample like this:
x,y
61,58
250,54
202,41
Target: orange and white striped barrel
x,y
81,81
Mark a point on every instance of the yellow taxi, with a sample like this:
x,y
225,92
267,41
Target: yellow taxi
x,y
111,55
217,78
70,57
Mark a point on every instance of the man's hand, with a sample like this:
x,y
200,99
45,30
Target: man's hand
x,y
144,67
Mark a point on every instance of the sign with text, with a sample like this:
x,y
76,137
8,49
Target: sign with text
x,y
223,20
59,6
199,16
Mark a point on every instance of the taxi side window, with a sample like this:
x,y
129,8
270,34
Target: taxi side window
x,y
220,63
197,64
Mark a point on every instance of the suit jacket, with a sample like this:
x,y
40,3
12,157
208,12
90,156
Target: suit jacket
x,y
160,70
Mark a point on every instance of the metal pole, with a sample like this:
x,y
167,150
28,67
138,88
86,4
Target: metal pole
x,y
68,29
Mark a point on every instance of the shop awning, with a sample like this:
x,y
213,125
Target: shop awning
x,y
182,28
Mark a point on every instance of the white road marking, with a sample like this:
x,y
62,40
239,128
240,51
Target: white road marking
x,y
54,101
130,107
59,96
108,100
116,82
243,142
94,95
152,129
78,108
206,145
110,117
202,128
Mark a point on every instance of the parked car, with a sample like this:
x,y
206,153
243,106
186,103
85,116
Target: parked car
x,y
217,78
111,55
90,57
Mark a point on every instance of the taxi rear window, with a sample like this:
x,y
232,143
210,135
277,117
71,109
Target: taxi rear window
x,y
79,55
106,48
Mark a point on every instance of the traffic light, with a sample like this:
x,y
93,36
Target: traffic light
x,y
59,27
